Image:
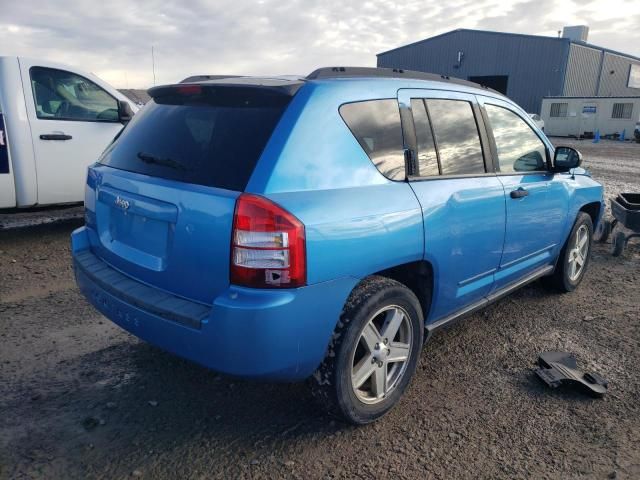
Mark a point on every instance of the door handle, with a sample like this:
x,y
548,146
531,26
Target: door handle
x,y
519,193
55,136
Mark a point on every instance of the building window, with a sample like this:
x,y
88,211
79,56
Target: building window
x,y
559,109
622,110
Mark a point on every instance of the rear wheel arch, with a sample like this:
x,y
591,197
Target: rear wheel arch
x,y
417,277
332,383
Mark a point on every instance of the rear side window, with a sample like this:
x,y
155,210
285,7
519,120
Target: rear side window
x,y
519,148
213,138
376,126
457,137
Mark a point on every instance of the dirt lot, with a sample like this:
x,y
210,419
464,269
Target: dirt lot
x,y
79,398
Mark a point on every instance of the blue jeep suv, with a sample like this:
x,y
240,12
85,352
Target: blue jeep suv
x,y
323,227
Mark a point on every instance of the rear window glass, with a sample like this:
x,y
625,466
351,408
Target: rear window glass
x,y
376,126
214,138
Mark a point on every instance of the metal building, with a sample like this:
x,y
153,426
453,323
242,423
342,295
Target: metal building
x,y
524,67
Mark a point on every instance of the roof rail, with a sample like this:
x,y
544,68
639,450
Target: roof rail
x,y
200,78
352,72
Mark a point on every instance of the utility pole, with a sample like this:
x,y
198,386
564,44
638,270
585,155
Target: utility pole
x,y
153,66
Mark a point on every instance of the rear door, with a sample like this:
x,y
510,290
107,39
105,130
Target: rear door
x,y
72,119
536,203
462,200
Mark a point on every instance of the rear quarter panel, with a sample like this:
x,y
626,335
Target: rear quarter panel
x,y
357,221
357,231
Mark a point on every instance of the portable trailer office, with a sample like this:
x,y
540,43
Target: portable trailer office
x,y
584,116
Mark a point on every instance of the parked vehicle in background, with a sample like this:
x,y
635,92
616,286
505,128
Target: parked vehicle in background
x,y
325,226
55,120
537,120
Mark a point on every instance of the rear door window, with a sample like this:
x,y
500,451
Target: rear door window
x,y
427,158
456,136
214,138
376,126
519,148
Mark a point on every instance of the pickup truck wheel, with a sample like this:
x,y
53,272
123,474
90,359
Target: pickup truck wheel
x,y
574,257
373,353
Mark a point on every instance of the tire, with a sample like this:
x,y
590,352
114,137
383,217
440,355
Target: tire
x,y
618,243
382,303
602,232
564,278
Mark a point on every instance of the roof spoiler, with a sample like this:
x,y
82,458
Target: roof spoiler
x,y
223,92
200,78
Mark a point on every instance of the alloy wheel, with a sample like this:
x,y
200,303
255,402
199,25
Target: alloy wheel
x,y
578,254
381,357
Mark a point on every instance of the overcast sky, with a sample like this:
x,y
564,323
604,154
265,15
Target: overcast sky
x,y
113,38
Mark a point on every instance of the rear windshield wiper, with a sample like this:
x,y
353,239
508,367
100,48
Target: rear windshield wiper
x,y
165,162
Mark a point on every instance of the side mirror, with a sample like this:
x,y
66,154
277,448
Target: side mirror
x,y
566,158
125,114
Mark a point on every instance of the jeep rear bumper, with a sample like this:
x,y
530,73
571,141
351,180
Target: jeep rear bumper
x,y
270,334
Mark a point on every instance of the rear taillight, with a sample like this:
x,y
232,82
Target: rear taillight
x,y
267,246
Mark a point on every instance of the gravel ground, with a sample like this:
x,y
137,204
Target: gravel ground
x,y
79,398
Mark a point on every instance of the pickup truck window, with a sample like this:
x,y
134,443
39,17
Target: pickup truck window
x,y
519,148
376,126
457,137
62,95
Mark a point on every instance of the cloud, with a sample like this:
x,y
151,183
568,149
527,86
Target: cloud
x,y
113,39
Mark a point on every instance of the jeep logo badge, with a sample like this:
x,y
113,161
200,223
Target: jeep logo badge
x,y
121,202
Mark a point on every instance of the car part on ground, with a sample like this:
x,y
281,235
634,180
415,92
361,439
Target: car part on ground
x,y
559,368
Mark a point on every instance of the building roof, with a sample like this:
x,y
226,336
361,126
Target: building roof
x,y
510,34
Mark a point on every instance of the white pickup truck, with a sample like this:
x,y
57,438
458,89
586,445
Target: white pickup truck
x,y
54,121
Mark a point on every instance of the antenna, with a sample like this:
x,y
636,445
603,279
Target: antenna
x,y
153,66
